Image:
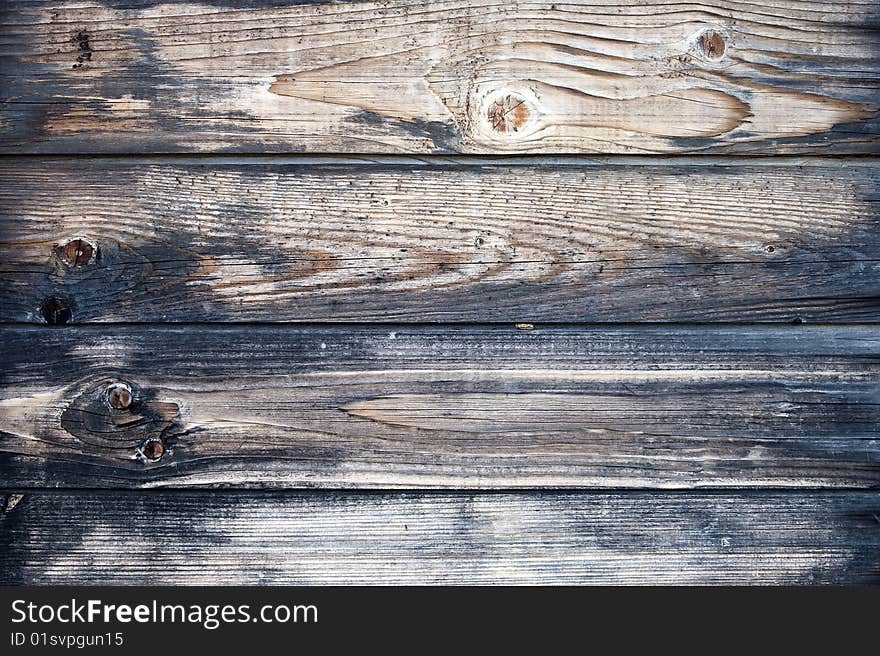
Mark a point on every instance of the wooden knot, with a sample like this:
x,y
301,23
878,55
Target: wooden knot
x,y
503,116
153,450
508,112
711,45
77,252
116,416
119,396
56,311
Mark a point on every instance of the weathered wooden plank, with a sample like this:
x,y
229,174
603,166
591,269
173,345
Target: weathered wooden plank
x,y
468,407
238,241
457,75
522,538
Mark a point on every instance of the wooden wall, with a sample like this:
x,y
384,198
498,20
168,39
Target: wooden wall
x,y
439,292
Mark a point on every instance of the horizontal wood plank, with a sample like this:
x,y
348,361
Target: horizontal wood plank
x,y
417,407
523,538
255,241
471,76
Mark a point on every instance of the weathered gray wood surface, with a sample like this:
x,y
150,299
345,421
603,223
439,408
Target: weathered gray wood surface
x,y
524,538
468,407
258,268
240,241
453,76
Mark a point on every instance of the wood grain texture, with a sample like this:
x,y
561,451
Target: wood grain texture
x,y
251,241
441,76
523,538
418,407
